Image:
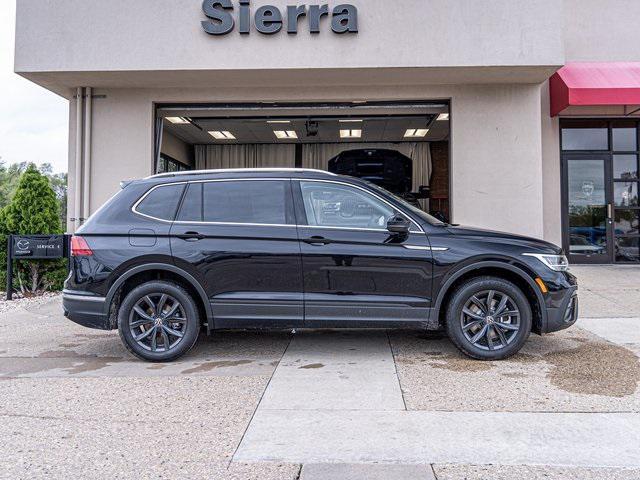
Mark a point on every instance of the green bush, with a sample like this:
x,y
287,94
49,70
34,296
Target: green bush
x,y
33,210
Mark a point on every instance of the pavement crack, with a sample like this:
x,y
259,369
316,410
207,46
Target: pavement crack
x,y
395,367
433,471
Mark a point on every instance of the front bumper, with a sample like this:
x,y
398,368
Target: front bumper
x,y
85,310
565,313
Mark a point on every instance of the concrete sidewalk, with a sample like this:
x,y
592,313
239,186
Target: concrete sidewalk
x,y
326,405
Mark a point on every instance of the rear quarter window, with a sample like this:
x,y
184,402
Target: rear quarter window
x,y
161,202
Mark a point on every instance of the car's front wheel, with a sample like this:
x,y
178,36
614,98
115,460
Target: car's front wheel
x,y
158,321
488,318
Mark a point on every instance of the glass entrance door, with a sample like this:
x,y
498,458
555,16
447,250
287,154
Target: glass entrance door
x,y
588,210
601,185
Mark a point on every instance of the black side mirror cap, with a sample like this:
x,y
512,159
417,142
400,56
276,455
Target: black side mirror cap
x,y
398,224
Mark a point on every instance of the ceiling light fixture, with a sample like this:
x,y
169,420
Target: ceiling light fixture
x,y
416,133
443,117
222,135
279,121
350,121
285,134
178,120
350,133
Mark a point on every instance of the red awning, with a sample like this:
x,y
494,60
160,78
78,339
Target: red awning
x,y
592,84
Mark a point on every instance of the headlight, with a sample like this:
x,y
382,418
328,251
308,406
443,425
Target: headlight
x,y
558,263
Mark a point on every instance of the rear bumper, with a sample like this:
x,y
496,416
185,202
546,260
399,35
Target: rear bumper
x,y
85,310
565,314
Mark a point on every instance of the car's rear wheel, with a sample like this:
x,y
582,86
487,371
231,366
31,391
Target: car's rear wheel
x,y
158,321
488,318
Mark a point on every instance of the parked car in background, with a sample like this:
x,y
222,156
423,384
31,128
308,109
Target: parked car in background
x,y
173,253
386,168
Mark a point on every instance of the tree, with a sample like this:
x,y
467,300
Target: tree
x,y
9,178
33,210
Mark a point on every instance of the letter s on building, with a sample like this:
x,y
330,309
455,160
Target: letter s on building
x,y
221,22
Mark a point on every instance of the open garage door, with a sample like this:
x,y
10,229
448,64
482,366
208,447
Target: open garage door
x,y
403,147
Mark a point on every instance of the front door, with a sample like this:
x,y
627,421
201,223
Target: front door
x,y
355,270
588,209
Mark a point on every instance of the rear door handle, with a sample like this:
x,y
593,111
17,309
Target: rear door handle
x,y
191,236
317,241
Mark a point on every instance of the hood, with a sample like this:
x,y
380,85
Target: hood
x,y
502,237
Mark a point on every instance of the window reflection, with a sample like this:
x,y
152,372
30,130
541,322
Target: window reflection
x,y
628,249
626,222
625,194
624,139
625,167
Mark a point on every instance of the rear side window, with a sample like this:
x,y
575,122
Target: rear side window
x,y
251,201
191,210
161,202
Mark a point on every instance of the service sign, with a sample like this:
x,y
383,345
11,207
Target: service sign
x,y
38,246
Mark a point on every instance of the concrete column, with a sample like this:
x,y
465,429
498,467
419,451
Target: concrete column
x,y
497,158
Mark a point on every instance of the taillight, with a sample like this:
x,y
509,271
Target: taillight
x,y
80,247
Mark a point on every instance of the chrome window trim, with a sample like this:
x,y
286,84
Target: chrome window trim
x,y
134,209
234,224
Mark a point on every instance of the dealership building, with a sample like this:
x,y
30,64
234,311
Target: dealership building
x,y
517,115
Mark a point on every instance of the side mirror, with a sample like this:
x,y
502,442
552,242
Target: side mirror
x,y
399,225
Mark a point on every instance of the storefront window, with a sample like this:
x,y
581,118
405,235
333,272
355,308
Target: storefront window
x,y
625,167
625,194
602,181
625,139
585,135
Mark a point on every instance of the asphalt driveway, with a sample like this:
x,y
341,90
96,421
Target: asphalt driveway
x,y
326,405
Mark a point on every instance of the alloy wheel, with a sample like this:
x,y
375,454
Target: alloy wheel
x,y
490,320
157,322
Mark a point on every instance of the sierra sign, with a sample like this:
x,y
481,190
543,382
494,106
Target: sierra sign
x,y
268,19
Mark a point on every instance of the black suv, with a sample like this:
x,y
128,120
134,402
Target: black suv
x,y
250,249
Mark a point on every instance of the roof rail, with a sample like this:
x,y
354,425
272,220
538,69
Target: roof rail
x,y
237,170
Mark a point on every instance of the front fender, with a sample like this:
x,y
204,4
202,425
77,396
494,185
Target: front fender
x,y
454,275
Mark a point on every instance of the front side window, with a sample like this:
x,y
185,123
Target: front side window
x,y
161,202
263,202
336,205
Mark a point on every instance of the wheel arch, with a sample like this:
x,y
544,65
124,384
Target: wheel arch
x,y
499,269
165,272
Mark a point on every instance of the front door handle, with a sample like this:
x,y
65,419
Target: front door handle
x,y
191,236
317,241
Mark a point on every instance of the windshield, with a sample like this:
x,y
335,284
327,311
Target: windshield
x,y
412,209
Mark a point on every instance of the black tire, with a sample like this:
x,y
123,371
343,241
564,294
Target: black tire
x,y
466,318
149,297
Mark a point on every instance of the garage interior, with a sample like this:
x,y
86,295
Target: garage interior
x,y
403,147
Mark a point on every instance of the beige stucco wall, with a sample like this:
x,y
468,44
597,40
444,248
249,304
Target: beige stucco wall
x,y
157,35
496,145
601,31
489,57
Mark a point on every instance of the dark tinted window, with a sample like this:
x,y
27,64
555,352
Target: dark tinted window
x,y
162,202
191,210
252,201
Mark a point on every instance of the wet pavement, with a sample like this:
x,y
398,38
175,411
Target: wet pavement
x,y
74,403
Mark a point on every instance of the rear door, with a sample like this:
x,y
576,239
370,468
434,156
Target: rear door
x,y
355,270
239,238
